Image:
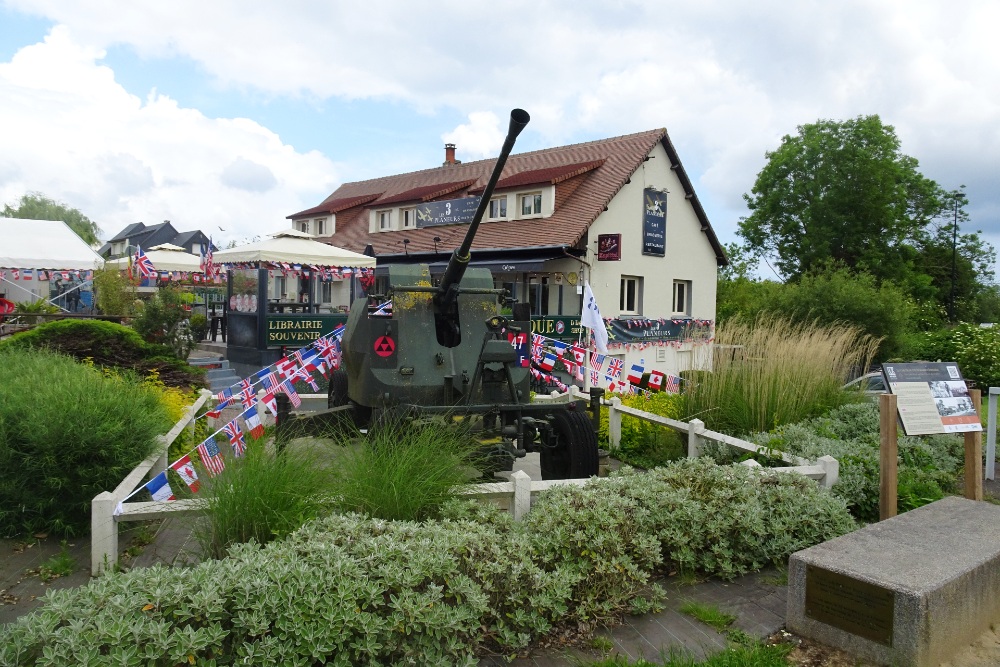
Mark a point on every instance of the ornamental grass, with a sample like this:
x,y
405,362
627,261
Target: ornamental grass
x,y
771,371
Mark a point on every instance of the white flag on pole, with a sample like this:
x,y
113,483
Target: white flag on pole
x,y
592,319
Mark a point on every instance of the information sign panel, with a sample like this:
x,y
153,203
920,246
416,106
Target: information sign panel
x,y
931,398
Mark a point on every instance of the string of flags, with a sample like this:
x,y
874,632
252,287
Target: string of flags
x,y
322,355
323,273
44,274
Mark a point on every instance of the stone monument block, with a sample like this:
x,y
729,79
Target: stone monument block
x,y
909,591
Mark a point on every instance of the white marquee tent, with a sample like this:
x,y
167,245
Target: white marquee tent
x,y
165,257
44,244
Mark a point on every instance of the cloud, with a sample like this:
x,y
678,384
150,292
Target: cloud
x,y
79,137
481,137
250,176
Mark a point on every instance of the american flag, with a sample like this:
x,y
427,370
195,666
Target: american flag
x,y
289,391
673,384
597,361
211,458
232,430
146,267
207,262
224,398
615,368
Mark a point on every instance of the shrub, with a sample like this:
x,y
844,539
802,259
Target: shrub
x,y
976,350
199,327
31,307
110,345
163,321
929,466
777,372
67,432
347,589
113,292
643,443
261,496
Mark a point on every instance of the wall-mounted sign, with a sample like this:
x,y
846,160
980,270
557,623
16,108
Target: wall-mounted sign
x,y
299,330
449,212
654,222
931,398
609,247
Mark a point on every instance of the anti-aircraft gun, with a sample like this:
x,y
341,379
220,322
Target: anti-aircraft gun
x,y
422,349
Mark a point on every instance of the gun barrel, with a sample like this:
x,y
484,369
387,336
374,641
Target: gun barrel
x,y
460,258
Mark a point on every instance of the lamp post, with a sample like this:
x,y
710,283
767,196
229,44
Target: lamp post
x,y
954,257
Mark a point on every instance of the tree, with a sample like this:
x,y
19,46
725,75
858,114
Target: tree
x,y
840,191
36,206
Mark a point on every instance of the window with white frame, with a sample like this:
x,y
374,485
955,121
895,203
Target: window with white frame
x,y
326,292
384,219
498,208
319,226
279,287
409,218
630,302
531,204
682,297
303,226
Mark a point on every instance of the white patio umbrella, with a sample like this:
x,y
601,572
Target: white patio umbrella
x,y
165,257
293,247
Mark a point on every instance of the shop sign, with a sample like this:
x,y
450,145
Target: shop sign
x,y
654,222
298,330
449,212
609,247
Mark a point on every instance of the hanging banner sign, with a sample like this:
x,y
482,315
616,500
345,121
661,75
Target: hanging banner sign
x,y
449,212
556,327
654,223
609,247
931,398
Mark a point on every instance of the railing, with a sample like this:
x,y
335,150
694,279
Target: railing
x,y
103,517
825,470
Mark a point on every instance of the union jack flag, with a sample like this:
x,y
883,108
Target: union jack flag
x,y
316,363
595,376
232,429
329,348
537,343
248,396
306,376
145,265
246,383
211,458
615,368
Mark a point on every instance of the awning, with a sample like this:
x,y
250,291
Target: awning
x,y
532,264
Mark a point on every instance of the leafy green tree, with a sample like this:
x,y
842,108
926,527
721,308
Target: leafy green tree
x,y
840,191
36,206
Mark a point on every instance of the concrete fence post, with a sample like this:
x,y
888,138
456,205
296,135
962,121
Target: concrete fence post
x,y
103,533
161,462
614,422
832,468
522,494
695,426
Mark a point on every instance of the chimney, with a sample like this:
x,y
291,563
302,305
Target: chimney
x,y
449,155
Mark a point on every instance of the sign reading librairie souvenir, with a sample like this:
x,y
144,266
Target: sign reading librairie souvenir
x,y
654,222
299,330
609,247
450,212
931,398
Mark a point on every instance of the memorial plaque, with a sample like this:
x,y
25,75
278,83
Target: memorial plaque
x,y
857,607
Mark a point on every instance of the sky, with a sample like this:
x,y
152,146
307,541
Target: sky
x,y
228,116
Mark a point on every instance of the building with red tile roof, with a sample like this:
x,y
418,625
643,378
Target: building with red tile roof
x,y
619,213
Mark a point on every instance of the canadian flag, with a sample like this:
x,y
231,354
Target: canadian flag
x,y
271,403
185,471
656,380
286,367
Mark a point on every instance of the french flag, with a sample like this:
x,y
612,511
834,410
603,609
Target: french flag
x,y
254,426
635,375
159,488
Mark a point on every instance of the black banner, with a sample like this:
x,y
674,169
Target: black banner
x,y
654,222
449,212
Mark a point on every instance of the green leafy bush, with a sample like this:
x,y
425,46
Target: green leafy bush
x,y
67,432
929,466
643,443
110,345
199,327
163,320
349,590
976,350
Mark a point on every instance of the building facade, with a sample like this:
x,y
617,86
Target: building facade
x,y
620,214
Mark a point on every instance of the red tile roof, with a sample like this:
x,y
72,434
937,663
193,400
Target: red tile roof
x,y
335,205
547,176
590,173
426,193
